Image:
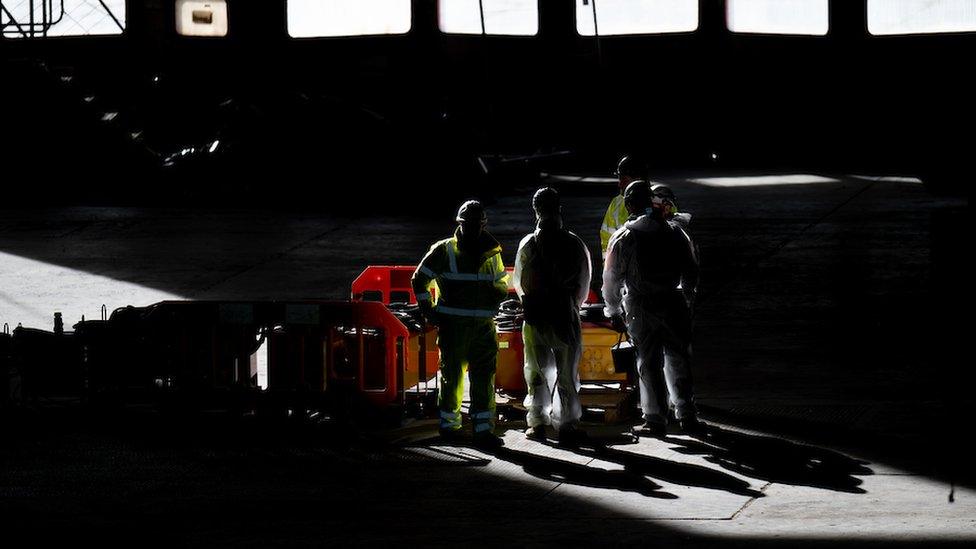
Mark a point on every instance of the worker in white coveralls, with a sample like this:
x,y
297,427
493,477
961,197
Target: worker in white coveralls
x,y
552,278
649,282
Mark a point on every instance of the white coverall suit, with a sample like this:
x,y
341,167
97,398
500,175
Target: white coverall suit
x,y
646,260
552,277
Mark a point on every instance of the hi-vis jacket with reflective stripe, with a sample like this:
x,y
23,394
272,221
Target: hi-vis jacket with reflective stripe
x,y
615,218
469,283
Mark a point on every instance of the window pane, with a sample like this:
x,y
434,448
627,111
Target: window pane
x,y
636,16
508,17
459,16
68,18
921,16
314,18
201,18
779,16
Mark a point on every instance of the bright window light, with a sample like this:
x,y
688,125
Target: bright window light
x,y
763,180
921,16
62,18
501,17
259,362
889,178
810,17
201,18
322,18
615,17
579,178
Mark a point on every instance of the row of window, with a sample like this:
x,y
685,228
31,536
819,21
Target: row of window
x,y
328,18
323,18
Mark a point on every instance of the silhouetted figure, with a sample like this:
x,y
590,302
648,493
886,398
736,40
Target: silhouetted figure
x,y
649,281
471,281
629,169
552,277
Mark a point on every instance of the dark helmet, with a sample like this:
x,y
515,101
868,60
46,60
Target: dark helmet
x,y
630,167
470,211
545,202
662,191
637,197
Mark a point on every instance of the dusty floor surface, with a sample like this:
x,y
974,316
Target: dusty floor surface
x,y
829,361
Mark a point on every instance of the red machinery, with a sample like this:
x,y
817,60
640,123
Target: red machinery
x,y
604,387
212,354
390,284
363,354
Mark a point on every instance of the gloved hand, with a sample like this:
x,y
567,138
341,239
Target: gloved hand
x,y
618,324
427,313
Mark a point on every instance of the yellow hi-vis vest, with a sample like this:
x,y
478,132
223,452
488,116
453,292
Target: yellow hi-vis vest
x,y
615,218
466,286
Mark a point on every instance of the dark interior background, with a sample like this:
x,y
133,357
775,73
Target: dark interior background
x,y
306,116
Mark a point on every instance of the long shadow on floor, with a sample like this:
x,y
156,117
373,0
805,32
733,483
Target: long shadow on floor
x,y
684,474
557,470
775,459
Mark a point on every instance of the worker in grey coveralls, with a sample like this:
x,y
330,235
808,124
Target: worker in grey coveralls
x,y
552,278
649,282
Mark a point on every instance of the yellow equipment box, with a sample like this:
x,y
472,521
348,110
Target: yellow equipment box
x,y
597,362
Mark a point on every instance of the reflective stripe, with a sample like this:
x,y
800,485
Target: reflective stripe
x,y
454,311
482,427
427,272
423,296
481,415
451,256
607,229
481,277
501,275
450,420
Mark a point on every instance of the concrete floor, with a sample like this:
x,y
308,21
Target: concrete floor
x,y
828,359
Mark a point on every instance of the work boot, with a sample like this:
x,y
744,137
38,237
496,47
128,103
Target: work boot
x,y
691,426
537,433
486,440
650,429
451,435
572,436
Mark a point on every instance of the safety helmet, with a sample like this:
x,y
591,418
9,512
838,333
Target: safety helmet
x,y
471,211
629,166
663,199
637,197
545,202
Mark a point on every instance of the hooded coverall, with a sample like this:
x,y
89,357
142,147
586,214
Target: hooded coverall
x,y
552,277
470,284
615,218
646,261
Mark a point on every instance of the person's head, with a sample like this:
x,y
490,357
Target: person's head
x,y
471,219
637,197
629,169
663,200
545,202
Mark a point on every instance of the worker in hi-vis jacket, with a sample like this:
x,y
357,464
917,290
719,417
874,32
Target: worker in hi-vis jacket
x,y
628,170
471,282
